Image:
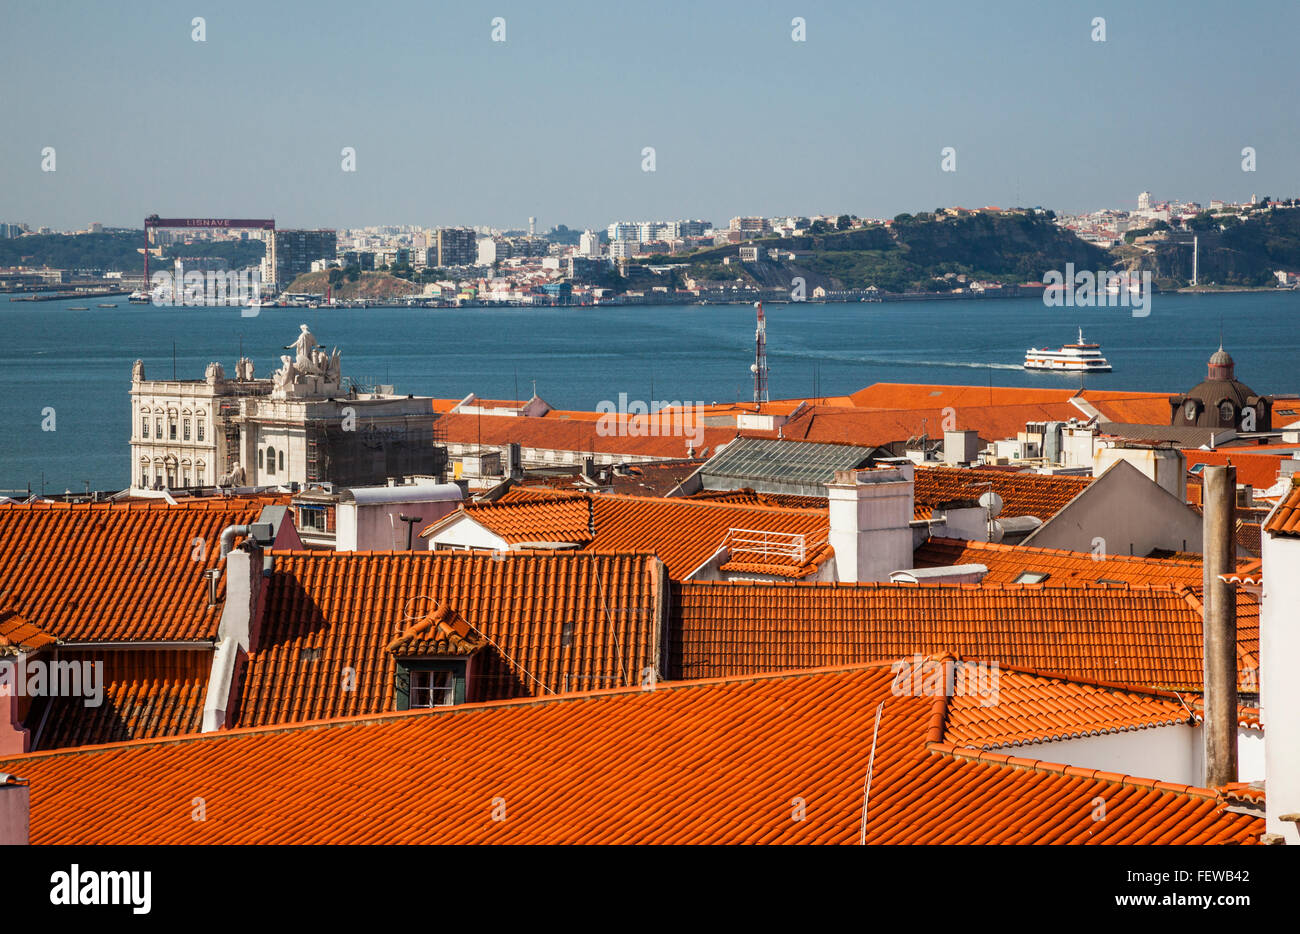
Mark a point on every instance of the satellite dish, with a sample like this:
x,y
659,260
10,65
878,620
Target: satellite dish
x,y
753,368
992,503
996,532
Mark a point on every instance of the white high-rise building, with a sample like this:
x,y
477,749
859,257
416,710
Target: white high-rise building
x,y
1144,201
589,244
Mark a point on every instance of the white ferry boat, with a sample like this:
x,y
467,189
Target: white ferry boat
x,y
1080,357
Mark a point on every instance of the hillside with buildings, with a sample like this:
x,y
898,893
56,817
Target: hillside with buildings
x,y
922,252
1219,249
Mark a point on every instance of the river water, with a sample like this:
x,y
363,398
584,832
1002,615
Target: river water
x,y
78,363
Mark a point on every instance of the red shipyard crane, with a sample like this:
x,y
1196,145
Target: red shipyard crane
x,y
153,222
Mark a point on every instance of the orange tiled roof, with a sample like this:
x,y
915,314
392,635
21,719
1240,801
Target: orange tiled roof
x,y
551,623
746,495
147,694
1260,469
1064,568
115,573
1030,709
18,635
582,436
1286,519
1148,637
670,765
1023,494
1117,406
683,533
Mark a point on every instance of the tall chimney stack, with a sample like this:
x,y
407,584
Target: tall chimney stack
x,y
1220,626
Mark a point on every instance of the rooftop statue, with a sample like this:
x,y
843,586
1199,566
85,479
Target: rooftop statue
x,y
304,346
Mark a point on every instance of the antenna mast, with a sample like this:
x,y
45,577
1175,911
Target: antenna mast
x,y
759,368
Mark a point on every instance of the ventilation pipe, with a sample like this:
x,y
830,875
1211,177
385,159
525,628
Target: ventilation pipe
x,y
260,532
1220,626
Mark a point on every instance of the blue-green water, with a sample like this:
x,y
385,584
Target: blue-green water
x,y
79,362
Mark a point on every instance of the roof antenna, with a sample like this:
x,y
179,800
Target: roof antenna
x,y
866,792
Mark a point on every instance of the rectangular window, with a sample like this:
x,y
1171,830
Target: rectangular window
x,y
171,429
186,430
311,518
432,688
144,478
144,427
157,424
200,426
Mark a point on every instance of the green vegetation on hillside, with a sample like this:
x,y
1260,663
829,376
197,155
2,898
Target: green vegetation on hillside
x,y
911,254
116,252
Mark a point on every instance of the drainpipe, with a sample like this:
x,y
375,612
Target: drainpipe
x,y
1220,626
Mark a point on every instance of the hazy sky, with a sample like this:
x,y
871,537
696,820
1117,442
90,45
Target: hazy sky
x,y
450,127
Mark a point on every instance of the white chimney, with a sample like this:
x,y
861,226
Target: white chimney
x,y
870,515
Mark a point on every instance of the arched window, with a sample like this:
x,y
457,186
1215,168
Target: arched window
x,y
261,459
1225,411
281,456
270,461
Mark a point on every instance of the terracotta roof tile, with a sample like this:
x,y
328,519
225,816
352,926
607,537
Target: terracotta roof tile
x,y
683,533
18,635
147,693
1007,562
579,435
709,762
1148,637
1285,520
545,623
110,573
1023,494
1025,709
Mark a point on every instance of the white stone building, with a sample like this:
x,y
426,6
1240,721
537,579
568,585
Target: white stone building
x,y
305,424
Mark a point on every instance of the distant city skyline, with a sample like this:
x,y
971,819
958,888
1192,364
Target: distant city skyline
x,y
451,128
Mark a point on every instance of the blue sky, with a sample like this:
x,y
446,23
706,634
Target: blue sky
x,y
450,127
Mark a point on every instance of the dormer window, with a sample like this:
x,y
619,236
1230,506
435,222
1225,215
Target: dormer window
x,y
425,683
432,688
1225,411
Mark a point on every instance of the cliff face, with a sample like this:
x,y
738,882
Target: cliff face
x,y
1245,255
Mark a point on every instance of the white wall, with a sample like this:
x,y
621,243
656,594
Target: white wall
x,y
1167,468
377,527
1166,753
1130,513
466,533
1279,688
870,522
1172,753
